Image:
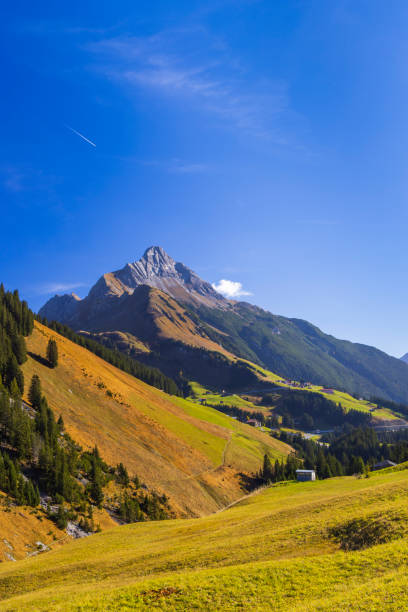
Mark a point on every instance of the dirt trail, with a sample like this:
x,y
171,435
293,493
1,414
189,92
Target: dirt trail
x,y
214,469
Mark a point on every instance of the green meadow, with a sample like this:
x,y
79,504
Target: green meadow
x,y
347,401
275,550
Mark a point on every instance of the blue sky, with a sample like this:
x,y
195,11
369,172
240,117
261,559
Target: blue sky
x,y
259,142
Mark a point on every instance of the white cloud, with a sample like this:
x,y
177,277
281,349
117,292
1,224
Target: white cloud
x,y
178,166
171,65
230,289
58,287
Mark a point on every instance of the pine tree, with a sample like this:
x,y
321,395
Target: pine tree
x,y
96,493
267,470
122,475
14,390
34,393
52,353
19,348
13,371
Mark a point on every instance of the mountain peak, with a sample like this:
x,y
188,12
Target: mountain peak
x,y
156,252
155,261
157,269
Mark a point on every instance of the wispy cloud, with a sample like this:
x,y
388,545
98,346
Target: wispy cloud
x,y
48,288
13,179
200,74
178,166
22,178
230,289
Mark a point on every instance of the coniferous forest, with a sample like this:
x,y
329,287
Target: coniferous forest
x,y
39,461
151,376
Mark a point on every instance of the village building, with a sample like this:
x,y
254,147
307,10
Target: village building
x,y
304,475
384,464
254,423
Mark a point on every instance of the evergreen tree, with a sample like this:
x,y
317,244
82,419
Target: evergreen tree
x,y
19,348
122,475
12,371
267,470
52,353
14,390
34,393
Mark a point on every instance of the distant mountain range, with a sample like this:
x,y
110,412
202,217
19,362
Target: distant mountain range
x,y
161,312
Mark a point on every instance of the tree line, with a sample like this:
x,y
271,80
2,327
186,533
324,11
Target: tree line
x,y
16,322
354,451
37,454
150,375
308,410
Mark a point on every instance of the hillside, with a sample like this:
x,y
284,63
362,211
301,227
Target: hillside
x,y
192,453
176,321
296,349
286,548
25,531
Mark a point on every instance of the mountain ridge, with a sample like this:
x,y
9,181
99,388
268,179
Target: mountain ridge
x,y
192,313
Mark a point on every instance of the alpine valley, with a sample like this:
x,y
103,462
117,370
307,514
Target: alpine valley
x,y
160,312
151,436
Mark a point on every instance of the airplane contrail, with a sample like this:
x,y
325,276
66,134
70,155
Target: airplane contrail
x,y
81,135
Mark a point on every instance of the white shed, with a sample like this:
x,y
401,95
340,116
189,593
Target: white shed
x,y
303,475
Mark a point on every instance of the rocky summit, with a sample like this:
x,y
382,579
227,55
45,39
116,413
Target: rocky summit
x,y
154,269
183,324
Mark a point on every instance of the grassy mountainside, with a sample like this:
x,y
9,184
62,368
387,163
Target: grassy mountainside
x,y
192,453
150,316
23,529
296,349
26,531
285,548
183,321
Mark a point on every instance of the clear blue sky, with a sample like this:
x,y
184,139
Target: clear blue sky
x,y
259,142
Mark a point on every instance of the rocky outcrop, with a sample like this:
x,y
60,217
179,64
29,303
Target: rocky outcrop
x,y
155,269
62,308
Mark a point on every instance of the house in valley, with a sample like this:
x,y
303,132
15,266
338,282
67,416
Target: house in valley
x,y
304,475
383,464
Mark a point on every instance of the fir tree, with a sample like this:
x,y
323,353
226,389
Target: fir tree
x,y
34,393
19,348
52,353
14,390
267,470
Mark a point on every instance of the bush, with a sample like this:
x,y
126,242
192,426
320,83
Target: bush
x,y
369,531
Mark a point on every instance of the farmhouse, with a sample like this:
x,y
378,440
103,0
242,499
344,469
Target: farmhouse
x,y
383,464
303,475
253,423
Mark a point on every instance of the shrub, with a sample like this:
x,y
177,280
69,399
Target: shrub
x,y
369,531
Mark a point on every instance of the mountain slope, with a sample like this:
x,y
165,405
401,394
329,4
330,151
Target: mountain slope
x,y
297,349
173,312
274,551
191,453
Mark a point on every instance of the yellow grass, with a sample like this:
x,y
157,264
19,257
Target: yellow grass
x,y
270,552
170,444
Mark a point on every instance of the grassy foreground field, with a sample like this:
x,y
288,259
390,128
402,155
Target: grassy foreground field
x,y
273,551
192,453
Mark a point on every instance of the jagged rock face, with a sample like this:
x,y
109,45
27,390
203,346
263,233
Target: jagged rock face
x,y
62,308
159,270
155,269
